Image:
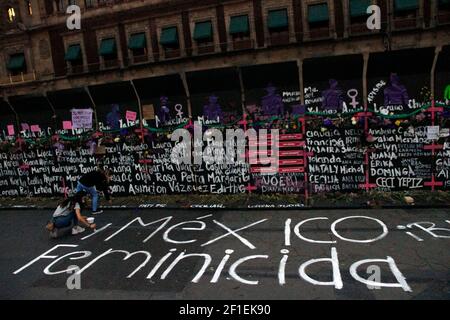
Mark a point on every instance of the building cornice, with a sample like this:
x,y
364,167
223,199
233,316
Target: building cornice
x,y
292,52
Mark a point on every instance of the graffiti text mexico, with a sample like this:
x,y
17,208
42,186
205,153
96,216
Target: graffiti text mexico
x,y
230,263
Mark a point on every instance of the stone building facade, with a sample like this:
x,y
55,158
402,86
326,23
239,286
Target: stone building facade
x,y
312,69
277,31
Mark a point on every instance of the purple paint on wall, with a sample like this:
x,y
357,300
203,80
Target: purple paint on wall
x,y
332,97
396,93
113,117
272,103
213,110
164,111
298,109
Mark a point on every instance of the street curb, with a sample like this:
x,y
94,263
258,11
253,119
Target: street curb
x,y
253,207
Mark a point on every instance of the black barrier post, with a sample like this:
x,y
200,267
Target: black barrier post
x,y
301,81
53,109
433,71
5,98
366,57
140,110
241,86
188,95
93,106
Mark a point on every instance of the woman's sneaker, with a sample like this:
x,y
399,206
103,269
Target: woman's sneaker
x,y
77,230
54,234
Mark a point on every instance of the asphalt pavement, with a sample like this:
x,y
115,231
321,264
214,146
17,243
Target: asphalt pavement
x,y
230,255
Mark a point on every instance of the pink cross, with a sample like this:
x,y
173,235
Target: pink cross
x,y
433,147
250,188
244,121
302,121
97,135
306,187
305,164
21,142
433,110
143,131
364,114
433,183
367,185
366,158
189,125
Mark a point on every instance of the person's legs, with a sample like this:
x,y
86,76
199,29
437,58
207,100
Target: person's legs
x,y
93,192
65,225
64,221
80,187
74,220
94,195
76,229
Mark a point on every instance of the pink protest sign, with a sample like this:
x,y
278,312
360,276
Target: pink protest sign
x,y
35,128
25,126
130,115
67,125
82,118
10,130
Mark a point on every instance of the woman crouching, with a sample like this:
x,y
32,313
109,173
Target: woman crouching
x,y
67,216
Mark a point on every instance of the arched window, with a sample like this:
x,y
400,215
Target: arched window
x,y
11,14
